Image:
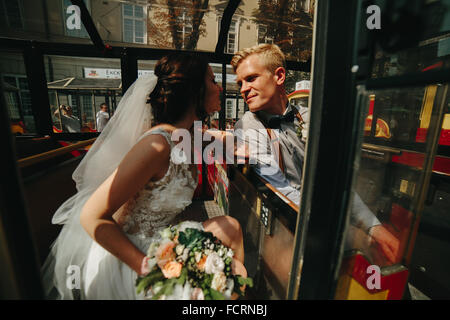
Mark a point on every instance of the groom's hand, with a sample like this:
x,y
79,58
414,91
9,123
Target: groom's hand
x,y
389,244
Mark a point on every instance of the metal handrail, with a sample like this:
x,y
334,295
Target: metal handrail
x,y
25,162
383,149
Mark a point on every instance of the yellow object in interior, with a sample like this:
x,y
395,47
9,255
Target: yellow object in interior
x,y
355,291
381,130
446,122
427,106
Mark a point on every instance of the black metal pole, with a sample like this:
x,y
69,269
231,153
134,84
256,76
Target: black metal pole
x,y
332,143
34,64
129,67
18,255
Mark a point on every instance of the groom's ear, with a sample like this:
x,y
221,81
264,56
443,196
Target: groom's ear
x,y
280,75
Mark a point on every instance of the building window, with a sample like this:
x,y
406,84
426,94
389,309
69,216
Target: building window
x,y
11,14
134,24
184,29
21,83
230,109
231,45
262,35
77,33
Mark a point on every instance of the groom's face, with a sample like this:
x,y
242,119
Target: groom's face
x,y
258,85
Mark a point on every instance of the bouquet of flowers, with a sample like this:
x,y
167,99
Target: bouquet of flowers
x,y
189,263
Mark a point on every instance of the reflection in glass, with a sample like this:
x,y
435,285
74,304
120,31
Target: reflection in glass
x,y
414,38
17,93
183,25
177,24
287,24
391,186
78,88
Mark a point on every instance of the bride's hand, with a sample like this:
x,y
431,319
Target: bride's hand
x,y
144,267
237,268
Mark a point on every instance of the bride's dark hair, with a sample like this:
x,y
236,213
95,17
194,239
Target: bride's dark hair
x,y
180,86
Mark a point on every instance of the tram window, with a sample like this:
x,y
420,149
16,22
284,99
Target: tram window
x,y
386,208
12,68
432,52
77,88
390,185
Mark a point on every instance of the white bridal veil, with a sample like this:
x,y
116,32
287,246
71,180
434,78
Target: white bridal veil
x,y
69,252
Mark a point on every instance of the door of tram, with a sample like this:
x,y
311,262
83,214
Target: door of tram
x,y
392,235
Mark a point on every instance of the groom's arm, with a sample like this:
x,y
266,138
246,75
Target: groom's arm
x,y
260,154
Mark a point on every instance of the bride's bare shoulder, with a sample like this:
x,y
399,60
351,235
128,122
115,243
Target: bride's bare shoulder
x,y
165,127
157,138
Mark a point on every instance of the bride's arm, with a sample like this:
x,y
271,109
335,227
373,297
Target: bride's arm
x,y
148,158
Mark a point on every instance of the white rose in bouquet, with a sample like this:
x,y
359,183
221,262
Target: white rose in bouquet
x,y
219,282
214,264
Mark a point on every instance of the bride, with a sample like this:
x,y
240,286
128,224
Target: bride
x,y
129,187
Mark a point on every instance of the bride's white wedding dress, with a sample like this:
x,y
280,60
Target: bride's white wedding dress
x,y
103,276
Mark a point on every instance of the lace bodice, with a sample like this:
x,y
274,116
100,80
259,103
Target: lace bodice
x,y
158,203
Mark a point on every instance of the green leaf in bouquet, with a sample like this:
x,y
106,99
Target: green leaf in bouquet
x,y
244,281
168,285
239,281
191,237
216,295
142,283
207,279
183,276
207,294
166,289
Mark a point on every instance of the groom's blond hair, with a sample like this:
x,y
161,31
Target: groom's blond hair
x,y
271,56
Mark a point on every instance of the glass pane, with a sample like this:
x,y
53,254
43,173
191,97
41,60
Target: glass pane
x,y
232,26
12,102
46,21
77,30
14,15
138,12
401,116
433,51
3,22
159,19
128,30
293,36
128,10
391,186
139,28
77,89
17,93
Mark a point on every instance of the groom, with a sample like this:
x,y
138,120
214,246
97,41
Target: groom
x,y
261,74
